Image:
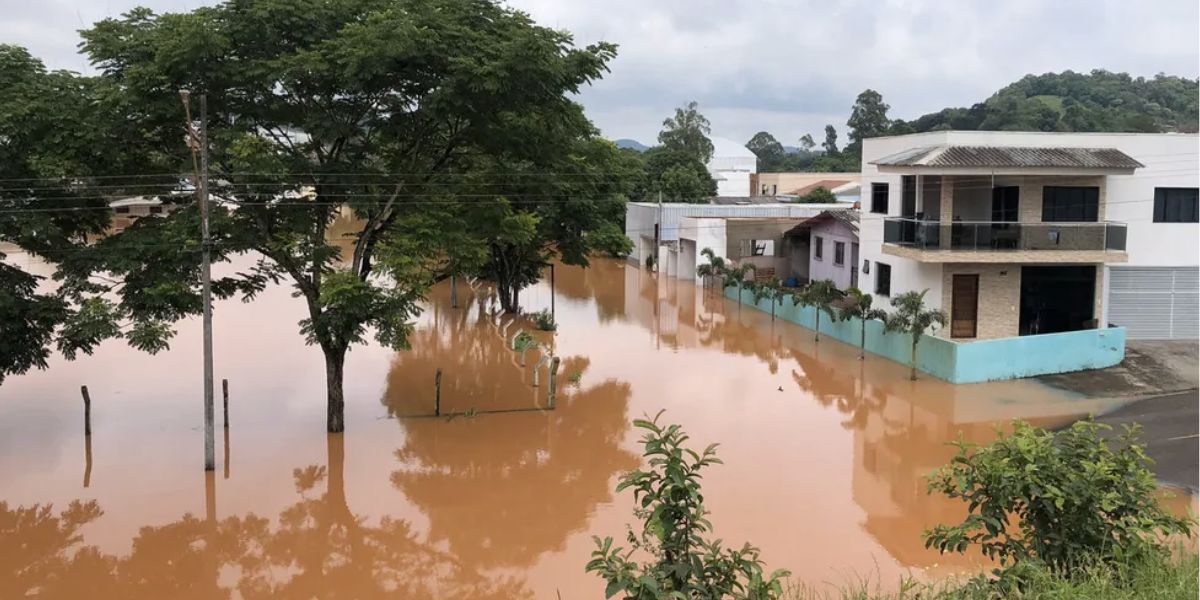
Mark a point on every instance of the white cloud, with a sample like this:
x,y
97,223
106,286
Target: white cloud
x,y
787,67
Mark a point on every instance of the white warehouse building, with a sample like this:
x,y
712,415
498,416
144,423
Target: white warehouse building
x,y
1022,233
731,166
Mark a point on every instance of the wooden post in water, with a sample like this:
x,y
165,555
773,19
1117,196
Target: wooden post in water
x,y
553,381
87,458
227,452
225,403
551,289
437,394
87,410
453,290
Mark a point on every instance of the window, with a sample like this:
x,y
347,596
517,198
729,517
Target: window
x,y
757,247
866,267
839,253
883,279
156,210
121,210
774,189
818,247
763,191
1176,205
1071,204
879,198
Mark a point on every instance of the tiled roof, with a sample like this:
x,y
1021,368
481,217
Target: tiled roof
x,y
1010,156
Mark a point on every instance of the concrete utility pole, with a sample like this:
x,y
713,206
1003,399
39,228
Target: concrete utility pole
x,y
199,145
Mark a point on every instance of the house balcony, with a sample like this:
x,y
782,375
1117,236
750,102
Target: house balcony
x,y
1004,242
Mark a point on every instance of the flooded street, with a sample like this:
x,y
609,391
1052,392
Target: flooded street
x,y
825,455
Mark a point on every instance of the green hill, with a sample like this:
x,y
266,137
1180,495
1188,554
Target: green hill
x,y
1069,101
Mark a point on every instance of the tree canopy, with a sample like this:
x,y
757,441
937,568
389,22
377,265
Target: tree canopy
x,y
440,135
687,131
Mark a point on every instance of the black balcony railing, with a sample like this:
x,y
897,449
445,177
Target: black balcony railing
x,y
994,235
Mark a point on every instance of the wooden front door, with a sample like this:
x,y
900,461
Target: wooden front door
x,y
964,306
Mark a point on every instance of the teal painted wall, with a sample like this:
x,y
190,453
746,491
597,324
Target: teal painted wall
x,y
1026,356
966,362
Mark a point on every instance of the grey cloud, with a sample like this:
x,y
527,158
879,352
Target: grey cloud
x,y
787,67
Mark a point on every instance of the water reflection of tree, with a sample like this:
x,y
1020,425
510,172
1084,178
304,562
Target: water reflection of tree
x,y
319,549
500,489
603,280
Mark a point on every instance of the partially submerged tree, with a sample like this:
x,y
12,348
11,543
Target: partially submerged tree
x,y
713,268
821,295
858,306
912,317
771,289
385,111
735,276
54,132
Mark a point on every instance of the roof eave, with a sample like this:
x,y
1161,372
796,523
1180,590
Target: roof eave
x,y
928,170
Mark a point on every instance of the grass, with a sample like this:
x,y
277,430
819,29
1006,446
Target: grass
x,y
1169,579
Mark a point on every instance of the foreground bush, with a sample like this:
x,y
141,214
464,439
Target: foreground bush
x,y
1161,578
684,563
1061,502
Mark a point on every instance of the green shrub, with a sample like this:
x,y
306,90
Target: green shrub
x,y
1067,500
544,321
674,532
524,341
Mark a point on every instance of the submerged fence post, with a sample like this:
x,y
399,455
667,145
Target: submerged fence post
x,y
87,410
437,394
553,381
225,400
537,369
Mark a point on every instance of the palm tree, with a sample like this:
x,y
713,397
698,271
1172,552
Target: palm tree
x,y
859,306
715,267
822,294
771,289
736,276
912,317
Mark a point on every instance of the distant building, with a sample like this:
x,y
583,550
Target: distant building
x,y
829,241
750,228
732,165
795,185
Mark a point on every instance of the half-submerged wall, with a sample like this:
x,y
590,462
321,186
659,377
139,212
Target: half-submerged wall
x,y
965,362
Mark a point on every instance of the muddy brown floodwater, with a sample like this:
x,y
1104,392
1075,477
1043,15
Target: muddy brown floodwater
x,y
825,456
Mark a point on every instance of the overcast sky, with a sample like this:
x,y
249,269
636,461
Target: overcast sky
x,y
788,67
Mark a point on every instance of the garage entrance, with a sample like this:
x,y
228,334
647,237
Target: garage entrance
x,y
1057,299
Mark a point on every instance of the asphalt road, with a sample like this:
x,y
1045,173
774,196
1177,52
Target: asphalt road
x,y
1170,431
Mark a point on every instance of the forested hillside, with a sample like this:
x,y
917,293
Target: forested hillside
x,y
1069,101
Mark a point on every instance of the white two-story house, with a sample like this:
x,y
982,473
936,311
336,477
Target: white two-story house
x,y
1017,233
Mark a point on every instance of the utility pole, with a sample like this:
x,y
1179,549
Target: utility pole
x,y
199,145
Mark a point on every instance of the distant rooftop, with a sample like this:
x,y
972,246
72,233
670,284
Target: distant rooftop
x,y
1010,157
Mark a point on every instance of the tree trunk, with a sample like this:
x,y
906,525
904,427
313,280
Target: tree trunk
x,y
335,361
862,341
913,375
817,325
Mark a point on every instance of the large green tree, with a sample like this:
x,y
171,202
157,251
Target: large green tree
x,y
54,138
770,152
677,175
396,113
687,131
868,117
